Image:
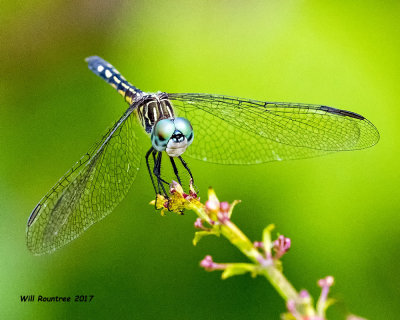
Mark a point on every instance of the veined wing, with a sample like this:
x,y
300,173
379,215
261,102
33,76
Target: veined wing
x,y
231,130
89,191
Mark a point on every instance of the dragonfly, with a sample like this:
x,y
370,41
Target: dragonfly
x,y
215,128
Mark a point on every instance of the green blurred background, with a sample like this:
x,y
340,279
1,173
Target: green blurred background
x,y
341,211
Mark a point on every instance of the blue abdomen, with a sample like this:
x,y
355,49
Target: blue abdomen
x,y
111,75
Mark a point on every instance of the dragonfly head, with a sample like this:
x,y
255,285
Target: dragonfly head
x,y
172,136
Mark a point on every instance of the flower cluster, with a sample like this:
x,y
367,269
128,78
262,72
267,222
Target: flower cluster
x,y
214,218
178,200
301,307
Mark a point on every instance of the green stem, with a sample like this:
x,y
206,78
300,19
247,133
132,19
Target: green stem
x,y
280,283
271,272
230,231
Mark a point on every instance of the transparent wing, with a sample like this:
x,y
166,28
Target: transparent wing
x,y
231,130
89,191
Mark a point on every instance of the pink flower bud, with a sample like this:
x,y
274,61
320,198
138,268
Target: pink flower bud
x,y
281,246
304,294
198,224
326,282
258,244
208,263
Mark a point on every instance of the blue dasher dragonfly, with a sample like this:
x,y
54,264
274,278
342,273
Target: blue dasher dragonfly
x,y
215,128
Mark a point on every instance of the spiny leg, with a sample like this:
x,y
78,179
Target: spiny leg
x,y
175,170
148,168
186,167
154,153
157,173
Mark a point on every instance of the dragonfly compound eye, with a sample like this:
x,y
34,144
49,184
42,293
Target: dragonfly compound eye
x,y
183,125
162,133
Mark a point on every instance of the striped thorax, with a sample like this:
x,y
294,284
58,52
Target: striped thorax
x,y
154,107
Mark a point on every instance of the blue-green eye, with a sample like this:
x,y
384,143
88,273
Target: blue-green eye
x,y
161,133
184,126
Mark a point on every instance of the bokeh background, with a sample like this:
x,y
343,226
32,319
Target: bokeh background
x,y
341,211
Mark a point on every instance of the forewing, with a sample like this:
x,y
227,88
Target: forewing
x,y
89,191
231,130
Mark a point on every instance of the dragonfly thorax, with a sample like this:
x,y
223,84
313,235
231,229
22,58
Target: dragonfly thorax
x,y
172,135
153,107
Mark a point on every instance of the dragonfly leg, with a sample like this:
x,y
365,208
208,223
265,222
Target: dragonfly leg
x,y
157,173
151,151
186,167
175,170
148,168
159,169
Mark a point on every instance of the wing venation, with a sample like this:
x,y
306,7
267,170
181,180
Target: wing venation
x,y
231,130
89,191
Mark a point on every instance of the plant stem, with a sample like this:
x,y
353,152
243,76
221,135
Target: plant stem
x,y
230,231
